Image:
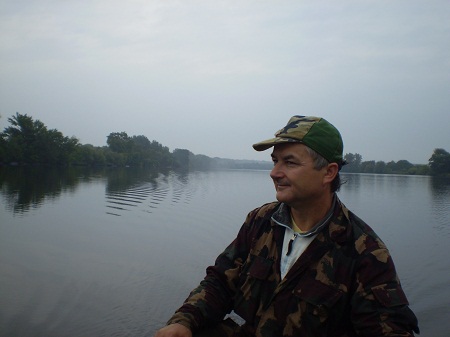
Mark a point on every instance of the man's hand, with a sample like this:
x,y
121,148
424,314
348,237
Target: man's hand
x,y
174,330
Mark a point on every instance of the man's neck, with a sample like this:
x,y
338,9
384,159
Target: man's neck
x,y
307,215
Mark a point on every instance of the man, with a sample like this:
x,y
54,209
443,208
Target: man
x,y
302,266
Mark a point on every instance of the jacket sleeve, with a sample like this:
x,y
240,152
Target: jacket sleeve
x,y
379,305
213,298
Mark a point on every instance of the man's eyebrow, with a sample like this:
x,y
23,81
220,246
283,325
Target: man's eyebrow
x,y
286,157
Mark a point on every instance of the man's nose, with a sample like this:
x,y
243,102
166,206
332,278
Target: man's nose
x,y
276,172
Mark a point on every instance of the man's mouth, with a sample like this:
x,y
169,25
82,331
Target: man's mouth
x,y
281,185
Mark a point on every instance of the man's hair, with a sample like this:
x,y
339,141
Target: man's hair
x,y
319,163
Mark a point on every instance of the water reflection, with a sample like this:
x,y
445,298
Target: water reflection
x,y
440,188
145,190
113,252
122,179
127,188
26,188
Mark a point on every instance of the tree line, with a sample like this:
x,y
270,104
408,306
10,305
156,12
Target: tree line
x,y
29,141
355,164
438,165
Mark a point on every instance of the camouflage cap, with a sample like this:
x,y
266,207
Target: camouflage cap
x,y
315,132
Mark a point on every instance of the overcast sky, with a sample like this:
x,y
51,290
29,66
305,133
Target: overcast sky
x,y
214,77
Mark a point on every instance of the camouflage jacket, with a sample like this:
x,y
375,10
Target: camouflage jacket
x,y
344,284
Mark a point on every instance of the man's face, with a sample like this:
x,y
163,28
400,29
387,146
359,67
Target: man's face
x,y
295,179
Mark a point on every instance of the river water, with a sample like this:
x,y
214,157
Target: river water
x,y
114,252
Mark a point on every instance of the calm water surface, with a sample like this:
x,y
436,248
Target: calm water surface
x,y
115,252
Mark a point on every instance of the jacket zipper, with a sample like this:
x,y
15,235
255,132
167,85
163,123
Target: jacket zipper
x,y
291,241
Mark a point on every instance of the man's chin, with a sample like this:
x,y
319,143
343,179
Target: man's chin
x,y
281,198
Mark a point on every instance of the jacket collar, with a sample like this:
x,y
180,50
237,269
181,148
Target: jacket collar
x,y
282,217
334,225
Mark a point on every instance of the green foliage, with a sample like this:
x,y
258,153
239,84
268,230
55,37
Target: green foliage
x,y
136,151
390,167
181,157
356,165
353,162
367,166
440,162
88,155
380,167
29,141
119,142
200,162
419,170
403,166
3,148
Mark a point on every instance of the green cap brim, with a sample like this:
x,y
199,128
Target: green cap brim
x,y
266,144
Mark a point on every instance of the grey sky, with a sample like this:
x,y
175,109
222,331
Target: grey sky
x,y
215,77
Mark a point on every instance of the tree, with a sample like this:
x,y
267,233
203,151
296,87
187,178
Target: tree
x,y
136,151
200,161
29,141
353,162
403,166
140,143
419,169
88,155
380,167
368,166
119,142
390,167
181,157
440,162
3,148
22,137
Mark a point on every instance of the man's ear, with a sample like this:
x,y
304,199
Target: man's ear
x,y
331,172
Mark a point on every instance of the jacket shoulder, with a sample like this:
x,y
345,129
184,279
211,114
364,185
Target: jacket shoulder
x,y
266,209
366,241
259,218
